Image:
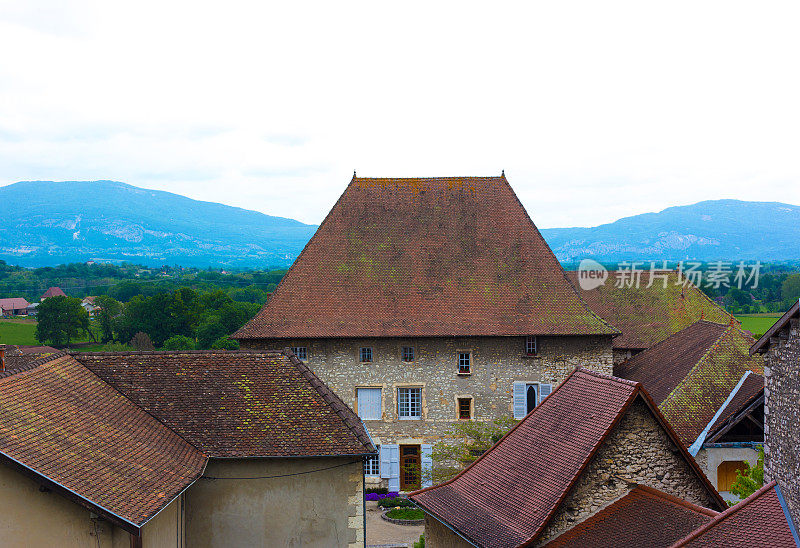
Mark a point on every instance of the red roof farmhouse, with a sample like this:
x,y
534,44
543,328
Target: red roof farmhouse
x,y
429,301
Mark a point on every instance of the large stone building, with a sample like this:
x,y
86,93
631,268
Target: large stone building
x,y
423,302
177,449
594,441
698,377
781,405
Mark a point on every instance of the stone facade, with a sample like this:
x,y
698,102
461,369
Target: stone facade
x,y
711,456
638,451
782,414
496,362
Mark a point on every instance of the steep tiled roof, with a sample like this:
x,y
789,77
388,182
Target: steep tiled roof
x,y
643,517
691,374
751,390
18,358
647,315
13,303
759,521
53,292
65,424
507,496
236,404
425,257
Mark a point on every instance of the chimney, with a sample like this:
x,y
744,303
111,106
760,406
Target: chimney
x,y
2,357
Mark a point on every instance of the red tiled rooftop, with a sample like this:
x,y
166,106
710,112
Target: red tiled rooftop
x,y
236,404
13,303
648,315
53,292
506,497
643,517
759,521
452,256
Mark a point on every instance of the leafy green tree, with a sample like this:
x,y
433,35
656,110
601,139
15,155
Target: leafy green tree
x,y
790,290
224,343
60,320
463,444
209,332
108,309
179,342
752,480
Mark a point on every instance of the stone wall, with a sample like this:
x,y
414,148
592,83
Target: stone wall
x,y
496,363
638,451
782,415
438,535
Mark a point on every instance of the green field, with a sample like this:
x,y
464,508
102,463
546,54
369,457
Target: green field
x,y
757,324
18,332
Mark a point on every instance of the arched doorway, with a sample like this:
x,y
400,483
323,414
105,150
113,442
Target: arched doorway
x,y
530,396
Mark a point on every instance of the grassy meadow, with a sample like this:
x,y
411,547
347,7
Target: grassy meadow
x,y
757,324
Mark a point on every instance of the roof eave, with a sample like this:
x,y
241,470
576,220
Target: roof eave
x,y
762,344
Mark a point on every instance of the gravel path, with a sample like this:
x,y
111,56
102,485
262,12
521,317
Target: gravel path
x,y
384,534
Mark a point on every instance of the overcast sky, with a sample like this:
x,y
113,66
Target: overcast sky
x,y
595,110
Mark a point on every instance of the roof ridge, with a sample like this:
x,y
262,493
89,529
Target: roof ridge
x,y
342,410
653,492
172,352
722,516
582,369
9,373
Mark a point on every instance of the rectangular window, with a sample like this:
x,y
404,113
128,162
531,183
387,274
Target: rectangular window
x,y
464,362
368,403
301,352
464,409
365,354
372,465
531,346
409,403
408,354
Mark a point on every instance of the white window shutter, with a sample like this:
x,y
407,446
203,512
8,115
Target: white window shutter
x,y
369,403
394,468
544,391
520,404
427,464
385,461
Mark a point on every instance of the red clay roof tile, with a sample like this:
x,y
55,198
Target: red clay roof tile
x,y
425,257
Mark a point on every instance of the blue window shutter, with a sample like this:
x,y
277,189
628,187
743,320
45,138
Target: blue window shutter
x,y
369,403
385,461
544,391
394,468
427,464
520,405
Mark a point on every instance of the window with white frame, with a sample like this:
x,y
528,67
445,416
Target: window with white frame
x,y
464,363
531,346
372,465
407,354
301,352
368,403
365,354
409,403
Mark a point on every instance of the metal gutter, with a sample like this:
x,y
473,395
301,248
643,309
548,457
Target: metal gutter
x,y
698,443
788,516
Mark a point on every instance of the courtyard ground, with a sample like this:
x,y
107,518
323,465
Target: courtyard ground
x,y
384,534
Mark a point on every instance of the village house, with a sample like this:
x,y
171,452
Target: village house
x,y
178,449
781,345
423,302
593,442
53,292
648,307
14,306
699,377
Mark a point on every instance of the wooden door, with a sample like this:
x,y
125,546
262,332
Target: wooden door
x,y
726,474
410,466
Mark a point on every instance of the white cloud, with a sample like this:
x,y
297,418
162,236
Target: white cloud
x,y
596,110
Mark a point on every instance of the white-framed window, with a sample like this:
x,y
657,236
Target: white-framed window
x,y
301,352
464,363
368,403
531,346
407,354
372,464
409,403
365,354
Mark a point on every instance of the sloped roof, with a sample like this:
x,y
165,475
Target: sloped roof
x,y
691,374
760,520
507,496
752,389
236,404
19,357
762,345
13,303
65,424
53,292
454,256
643,517
648,315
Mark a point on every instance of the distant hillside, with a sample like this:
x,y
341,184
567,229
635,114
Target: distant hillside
x,y
48,223
707,231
